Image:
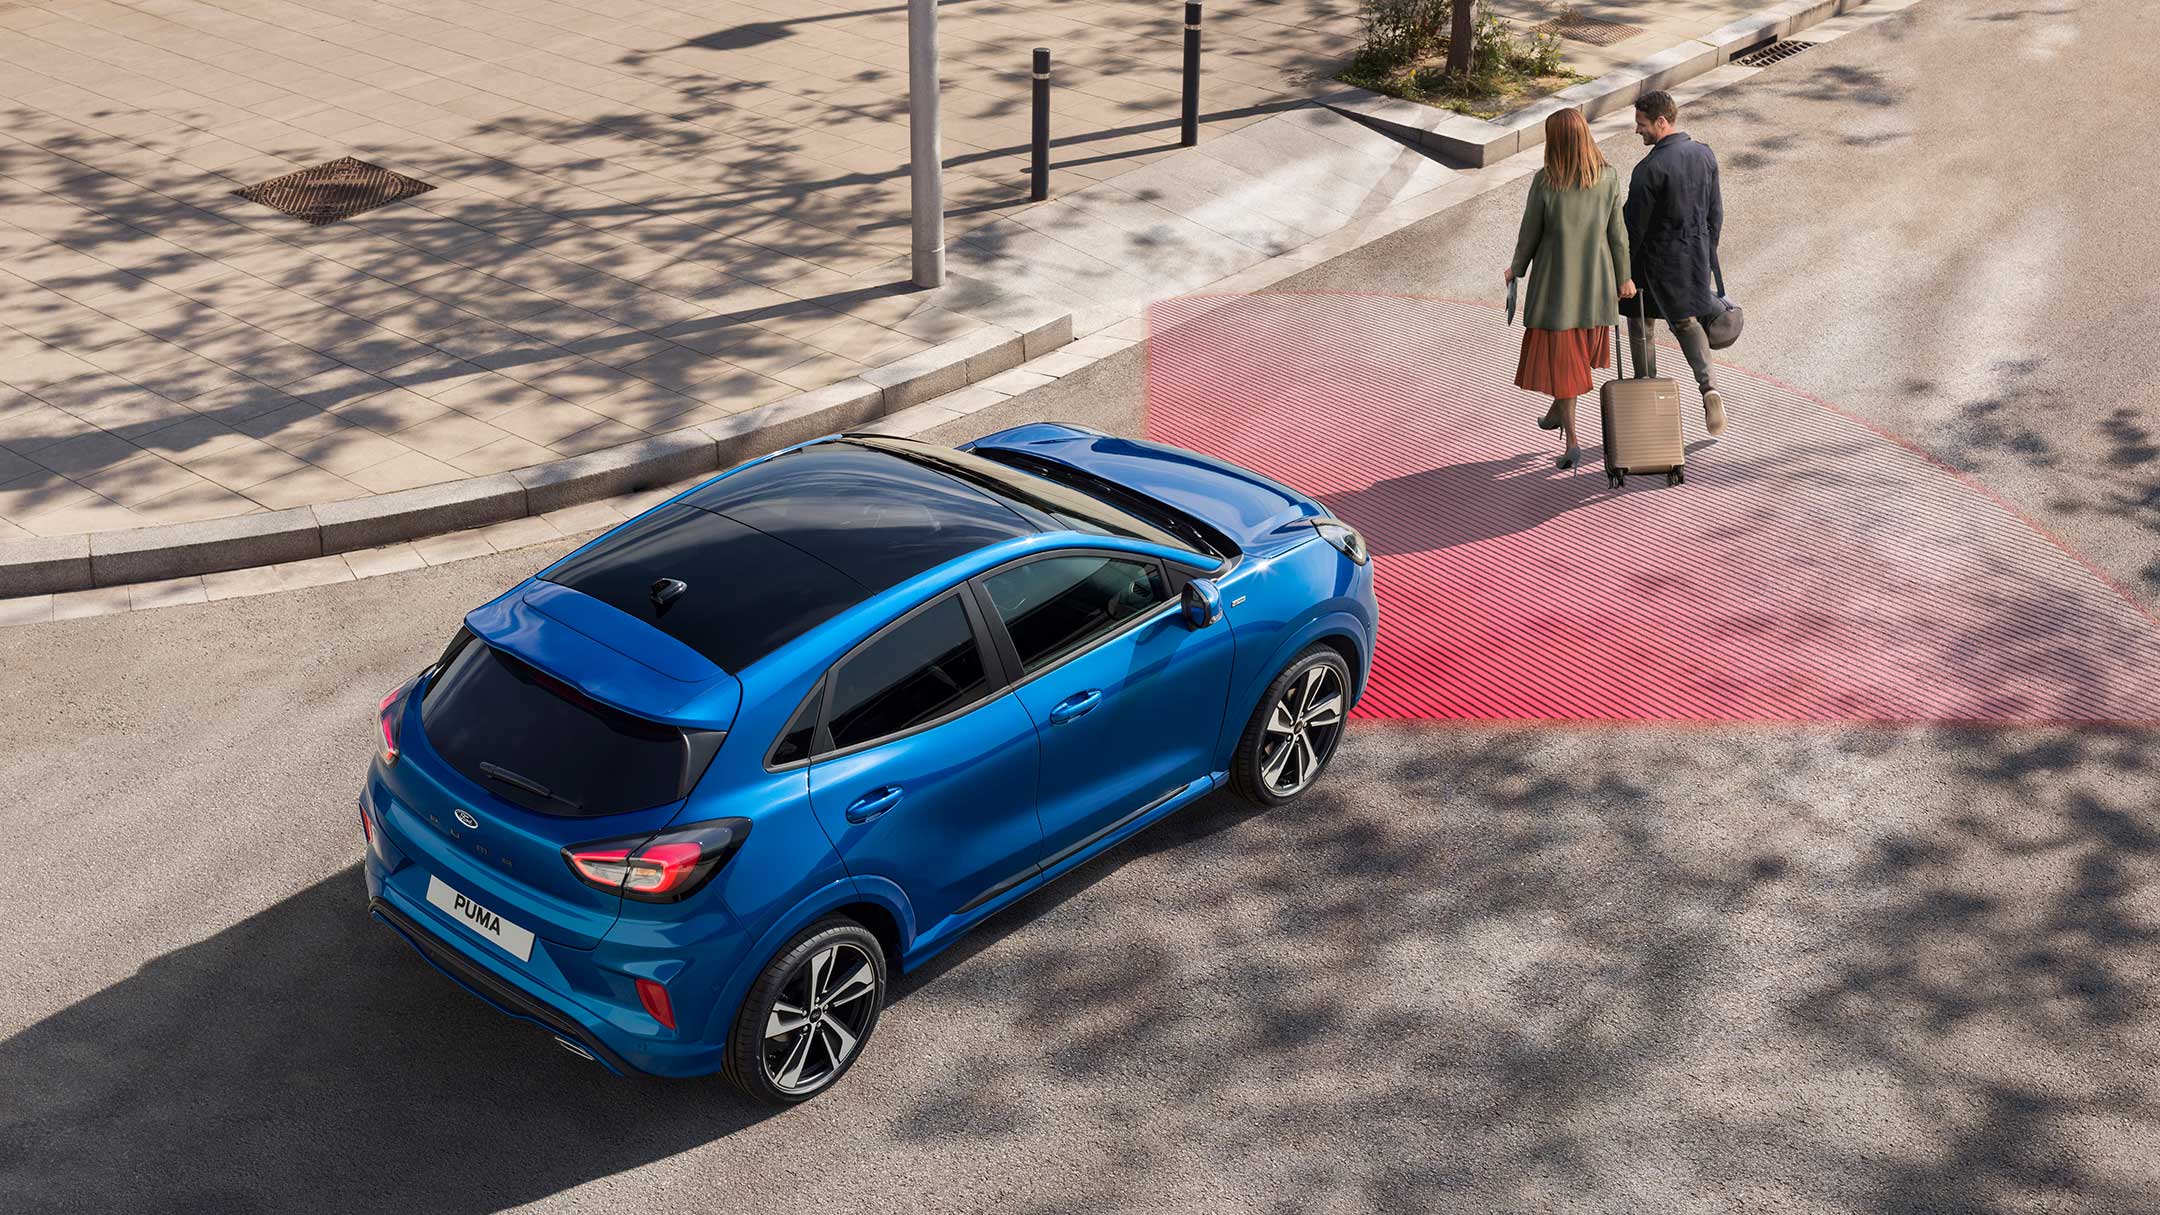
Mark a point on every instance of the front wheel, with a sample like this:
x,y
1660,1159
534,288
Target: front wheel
x,y
809,1013
1294,731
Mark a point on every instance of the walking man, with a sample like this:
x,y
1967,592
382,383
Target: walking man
x,y
1674,214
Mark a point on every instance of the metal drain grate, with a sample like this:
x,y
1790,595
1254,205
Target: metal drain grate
x,y
339,190
1765,55
1588,29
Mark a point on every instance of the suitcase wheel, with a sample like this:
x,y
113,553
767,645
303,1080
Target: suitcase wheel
x,y
1675,477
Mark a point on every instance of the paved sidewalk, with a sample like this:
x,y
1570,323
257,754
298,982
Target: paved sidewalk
x,y
645,217
644,220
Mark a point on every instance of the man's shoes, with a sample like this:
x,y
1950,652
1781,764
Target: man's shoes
x,y
1713,412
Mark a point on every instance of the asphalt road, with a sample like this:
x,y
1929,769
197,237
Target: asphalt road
x,y
1606,969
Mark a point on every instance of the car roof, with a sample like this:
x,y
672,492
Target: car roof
x,y
778,546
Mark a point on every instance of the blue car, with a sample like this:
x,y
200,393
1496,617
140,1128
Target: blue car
x,y
691,796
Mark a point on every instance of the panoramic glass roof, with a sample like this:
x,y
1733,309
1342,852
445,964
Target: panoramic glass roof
x,y
776,548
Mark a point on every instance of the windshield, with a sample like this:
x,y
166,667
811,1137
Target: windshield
x,y
1071,499
1187,532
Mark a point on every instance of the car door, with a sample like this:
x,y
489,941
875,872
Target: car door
x,y
1126,696
923,765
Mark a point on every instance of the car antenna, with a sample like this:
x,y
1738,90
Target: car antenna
x,y
665,592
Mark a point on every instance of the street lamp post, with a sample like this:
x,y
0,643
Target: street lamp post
x,y
928,167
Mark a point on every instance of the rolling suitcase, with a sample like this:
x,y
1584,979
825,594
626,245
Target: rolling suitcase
x,y
1641,419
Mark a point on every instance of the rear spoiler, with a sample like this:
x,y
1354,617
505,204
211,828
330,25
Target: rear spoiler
x,y
637,668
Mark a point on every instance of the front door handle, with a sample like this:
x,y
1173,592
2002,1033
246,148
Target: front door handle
x,y
873,803
1079,704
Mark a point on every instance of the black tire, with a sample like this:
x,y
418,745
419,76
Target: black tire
x,y
749,1045
1251,764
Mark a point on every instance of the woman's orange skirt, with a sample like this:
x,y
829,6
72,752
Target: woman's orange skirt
x,y
1557,362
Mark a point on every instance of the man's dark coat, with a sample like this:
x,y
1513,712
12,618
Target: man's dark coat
x,y
1674,214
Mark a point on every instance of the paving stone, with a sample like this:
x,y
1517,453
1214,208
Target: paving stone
x,y
37,565
86,453
308,485
1018,380
913,420
659,460
406,470
26,609
316,571
387,518
233,584
192,437
518,533
243,465
199,500
141,480
98,601
585,517
146,554
456,546
971,399
388,559
169,593
502,455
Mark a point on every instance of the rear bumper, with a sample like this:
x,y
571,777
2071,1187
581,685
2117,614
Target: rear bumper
x,y
505,996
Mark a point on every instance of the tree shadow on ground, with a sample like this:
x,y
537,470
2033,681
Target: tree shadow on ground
x,y
1507,969
308,1051
1475,968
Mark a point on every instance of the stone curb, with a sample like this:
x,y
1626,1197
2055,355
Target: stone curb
x,y
1478,142
1015,329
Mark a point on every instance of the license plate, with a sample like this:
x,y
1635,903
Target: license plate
x,y
508,937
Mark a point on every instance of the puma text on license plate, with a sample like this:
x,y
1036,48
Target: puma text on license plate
x,y
513,940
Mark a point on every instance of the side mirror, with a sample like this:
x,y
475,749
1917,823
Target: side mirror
x,y
1202,603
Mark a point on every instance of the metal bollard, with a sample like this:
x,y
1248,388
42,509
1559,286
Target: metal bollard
x,y
1191,131
1041,188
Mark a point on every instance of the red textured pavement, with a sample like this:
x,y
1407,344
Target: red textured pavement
x,y
1811,568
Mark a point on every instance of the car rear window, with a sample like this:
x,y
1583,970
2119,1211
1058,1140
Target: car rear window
x,y
516,731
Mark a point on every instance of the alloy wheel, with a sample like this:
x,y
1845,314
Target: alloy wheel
x,y
819,1018
1301,730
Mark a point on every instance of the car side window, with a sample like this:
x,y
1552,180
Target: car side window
x,y
1057,605
923,669
801,733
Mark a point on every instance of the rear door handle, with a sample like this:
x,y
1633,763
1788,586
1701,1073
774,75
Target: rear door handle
x,y
873,803
1079,704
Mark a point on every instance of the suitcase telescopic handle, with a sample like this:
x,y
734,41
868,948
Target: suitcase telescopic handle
x,y
1649,334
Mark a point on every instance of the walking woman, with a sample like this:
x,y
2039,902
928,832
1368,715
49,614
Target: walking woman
x,y
1575,239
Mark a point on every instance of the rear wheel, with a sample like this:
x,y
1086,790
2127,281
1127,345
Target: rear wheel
x,y
809,1014
1294,732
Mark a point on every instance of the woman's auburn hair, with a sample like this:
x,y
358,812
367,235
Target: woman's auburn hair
x,y
1572,159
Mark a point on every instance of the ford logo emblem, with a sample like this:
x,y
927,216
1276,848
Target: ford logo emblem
x,y
465,816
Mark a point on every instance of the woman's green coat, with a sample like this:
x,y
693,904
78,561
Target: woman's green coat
x,y
1575,243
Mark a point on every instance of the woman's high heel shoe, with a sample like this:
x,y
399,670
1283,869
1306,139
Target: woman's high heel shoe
x,y
1570,458
1551,420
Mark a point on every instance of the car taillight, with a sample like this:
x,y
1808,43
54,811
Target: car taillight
x,y
367,829
386,719
663,868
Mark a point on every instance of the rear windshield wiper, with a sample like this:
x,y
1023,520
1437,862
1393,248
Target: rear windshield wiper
x,y
526,783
